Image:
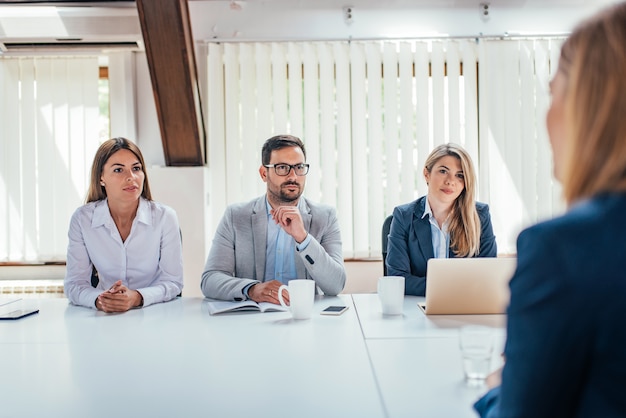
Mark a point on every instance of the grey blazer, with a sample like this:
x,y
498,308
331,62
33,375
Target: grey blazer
x,y
237,256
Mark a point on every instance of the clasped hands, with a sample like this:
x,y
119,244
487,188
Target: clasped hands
x,y
118,298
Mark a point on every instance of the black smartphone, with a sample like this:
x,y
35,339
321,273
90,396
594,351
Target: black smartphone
x,y
334,310
19,313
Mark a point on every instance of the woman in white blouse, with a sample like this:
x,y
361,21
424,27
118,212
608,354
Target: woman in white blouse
x,y
132,242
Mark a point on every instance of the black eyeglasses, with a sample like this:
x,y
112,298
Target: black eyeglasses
x,y
285,169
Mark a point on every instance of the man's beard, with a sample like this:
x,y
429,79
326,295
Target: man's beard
x,y
289,197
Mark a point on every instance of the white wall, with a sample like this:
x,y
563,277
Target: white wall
x,y
148,130
185,189
133,111
123,112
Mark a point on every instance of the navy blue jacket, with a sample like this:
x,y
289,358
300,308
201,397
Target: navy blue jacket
x,y
410,244
566,333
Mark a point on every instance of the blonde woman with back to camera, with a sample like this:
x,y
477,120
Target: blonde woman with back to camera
x,y
564,352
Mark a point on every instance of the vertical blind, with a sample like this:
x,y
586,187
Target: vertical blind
x,y
370,112
48,136
515,157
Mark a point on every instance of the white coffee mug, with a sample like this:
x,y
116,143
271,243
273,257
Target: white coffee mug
x,y
301,297
391,294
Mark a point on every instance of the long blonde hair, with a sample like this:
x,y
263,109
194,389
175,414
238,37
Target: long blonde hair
x,y
464,224
108,148
593,63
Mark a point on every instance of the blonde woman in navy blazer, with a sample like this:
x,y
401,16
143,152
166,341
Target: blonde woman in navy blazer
x,y
448,222
565,354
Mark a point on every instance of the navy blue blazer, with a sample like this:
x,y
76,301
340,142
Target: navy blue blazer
x,y
565,354
410,244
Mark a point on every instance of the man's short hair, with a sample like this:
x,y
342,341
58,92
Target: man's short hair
x,y
279,142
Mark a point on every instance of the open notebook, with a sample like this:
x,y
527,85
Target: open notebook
x,y
219,306
468,285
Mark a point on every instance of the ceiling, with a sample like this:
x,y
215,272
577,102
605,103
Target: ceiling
x,y
327,4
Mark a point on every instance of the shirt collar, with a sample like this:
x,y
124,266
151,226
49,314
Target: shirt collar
x,y
427,210
144,214
267,205
102,216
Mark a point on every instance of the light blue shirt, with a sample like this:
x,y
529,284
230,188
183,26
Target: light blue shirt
x,y
149,261
441,236
280,251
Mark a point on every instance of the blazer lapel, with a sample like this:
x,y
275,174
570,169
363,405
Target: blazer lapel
x,y
422,230
259,237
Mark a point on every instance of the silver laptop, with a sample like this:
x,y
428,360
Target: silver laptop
x,y
468,285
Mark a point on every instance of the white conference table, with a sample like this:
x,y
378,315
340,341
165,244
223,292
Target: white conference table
x,y
174,359
417,360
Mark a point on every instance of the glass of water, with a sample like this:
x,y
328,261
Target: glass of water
x,y
476,344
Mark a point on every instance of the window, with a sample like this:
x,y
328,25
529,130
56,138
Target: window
x,y
48,136
103,100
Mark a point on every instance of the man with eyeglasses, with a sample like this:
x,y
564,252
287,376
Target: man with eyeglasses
x,y
264,243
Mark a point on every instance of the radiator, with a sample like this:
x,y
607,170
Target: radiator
x,y
32,288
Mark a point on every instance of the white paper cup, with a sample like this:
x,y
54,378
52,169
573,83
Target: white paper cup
x,y
391,294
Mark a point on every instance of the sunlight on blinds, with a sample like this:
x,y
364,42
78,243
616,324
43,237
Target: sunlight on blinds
x,y
515,157
312,80
342,139
375,129
216,128
49,136
359,142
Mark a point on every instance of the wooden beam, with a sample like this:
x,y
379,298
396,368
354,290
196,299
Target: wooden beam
x,y
168,40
